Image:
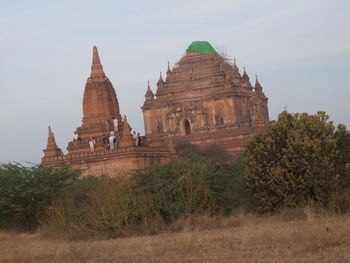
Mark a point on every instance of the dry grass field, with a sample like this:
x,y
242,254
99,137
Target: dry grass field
x,y
235,239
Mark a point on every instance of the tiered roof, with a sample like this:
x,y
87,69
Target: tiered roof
x,y
200,72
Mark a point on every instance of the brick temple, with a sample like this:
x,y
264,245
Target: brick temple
x,y
203,99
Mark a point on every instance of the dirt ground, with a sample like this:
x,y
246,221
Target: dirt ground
x,y
245,239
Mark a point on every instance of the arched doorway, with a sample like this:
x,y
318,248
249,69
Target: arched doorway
x,y
187,127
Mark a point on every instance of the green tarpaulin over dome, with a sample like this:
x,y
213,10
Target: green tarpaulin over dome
x,y
202,47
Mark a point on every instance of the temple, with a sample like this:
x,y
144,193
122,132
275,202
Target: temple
x,y
203,99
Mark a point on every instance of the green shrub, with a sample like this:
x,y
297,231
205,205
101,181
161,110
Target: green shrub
x,y
100,206
301,158
151,198
208,181
26,191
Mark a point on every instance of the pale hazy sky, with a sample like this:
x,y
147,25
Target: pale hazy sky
x,y
299,49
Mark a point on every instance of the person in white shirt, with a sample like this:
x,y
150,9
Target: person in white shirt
x,y
115,123
92,143
75,138
134,136
112,141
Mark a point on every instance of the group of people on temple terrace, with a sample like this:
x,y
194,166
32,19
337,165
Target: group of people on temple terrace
x,y
109,142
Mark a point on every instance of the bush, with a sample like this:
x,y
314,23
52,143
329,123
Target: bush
x,y
300,158
26,191
99,206
151,198
208,181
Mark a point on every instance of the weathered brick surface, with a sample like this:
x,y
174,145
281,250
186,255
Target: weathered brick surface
x,y
205,100
112,162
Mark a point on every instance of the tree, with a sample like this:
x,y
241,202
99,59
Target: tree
x,y
27,191
300,158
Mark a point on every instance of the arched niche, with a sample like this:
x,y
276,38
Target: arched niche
x,y
187,127
219,119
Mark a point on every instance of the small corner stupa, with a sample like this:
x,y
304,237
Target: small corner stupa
x,y
52,149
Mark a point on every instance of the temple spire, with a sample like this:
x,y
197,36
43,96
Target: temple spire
x,y
51,142
168,72
257,87
160,81
235,65
97,72
245,75
149,94
236,72
95,56
52,148
245,78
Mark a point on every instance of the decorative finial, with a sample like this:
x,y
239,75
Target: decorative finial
x,y
95,56
245,75
236,69
96,67
160,81
257,87
245,78
149,94
168,72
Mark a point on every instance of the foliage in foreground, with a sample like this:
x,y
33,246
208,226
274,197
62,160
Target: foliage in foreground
x,y
99,206
150,198
208,181
301,158
26,191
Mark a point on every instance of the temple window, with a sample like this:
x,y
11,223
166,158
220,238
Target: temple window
x,y
219,119
187,127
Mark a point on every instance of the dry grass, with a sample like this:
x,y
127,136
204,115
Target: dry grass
x,y
242,238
